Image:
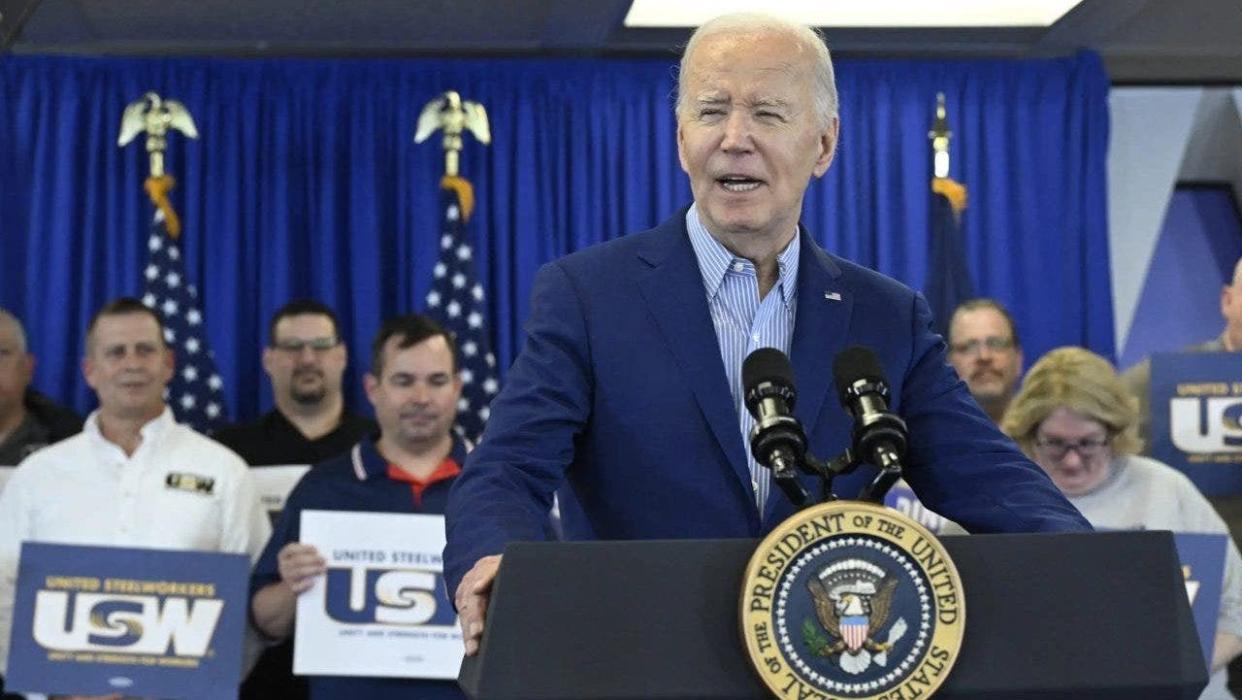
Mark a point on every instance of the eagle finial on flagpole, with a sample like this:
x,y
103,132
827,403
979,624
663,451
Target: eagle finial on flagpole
x,y
156,116
940,136
455,116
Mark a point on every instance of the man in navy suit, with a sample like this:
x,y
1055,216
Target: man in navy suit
x,y
629,383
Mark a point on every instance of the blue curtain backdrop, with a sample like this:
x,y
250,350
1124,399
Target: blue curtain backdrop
x,y
305,182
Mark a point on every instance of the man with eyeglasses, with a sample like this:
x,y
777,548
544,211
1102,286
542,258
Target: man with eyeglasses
x,y
985,351
305,360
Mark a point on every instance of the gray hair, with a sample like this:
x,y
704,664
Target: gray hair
x,y
741,23
18,331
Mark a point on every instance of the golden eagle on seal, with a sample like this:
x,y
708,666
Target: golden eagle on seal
x,y
831,607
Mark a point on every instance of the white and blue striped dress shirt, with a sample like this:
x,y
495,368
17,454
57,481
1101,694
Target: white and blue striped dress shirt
x,y
743,322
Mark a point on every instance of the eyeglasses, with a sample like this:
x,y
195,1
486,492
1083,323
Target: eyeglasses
x,y
294,346
1088,448
972,347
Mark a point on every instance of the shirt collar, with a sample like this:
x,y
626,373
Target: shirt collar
x,y
151,431
447,469
715,260
369,463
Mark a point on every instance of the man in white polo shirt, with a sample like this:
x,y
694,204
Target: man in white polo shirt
x,y
123,481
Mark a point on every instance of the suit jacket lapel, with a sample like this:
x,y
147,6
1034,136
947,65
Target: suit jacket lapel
x,y
823,316
673,290
825,302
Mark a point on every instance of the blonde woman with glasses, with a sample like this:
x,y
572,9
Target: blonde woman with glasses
x,y
1074,418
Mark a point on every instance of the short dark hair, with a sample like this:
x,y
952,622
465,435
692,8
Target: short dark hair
x,y
410,330
302,307
986,303
123,306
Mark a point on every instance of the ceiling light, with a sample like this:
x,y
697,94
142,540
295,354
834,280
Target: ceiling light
x,y
868,13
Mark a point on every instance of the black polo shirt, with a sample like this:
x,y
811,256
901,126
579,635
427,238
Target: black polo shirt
x,y
274,440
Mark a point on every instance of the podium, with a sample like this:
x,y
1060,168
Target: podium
x,y
1048,616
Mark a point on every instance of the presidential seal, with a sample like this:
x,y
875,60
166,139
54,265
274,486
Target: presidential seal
x,y
849,599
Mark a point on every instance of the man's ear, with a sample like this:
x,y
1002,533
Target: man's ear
x,y
681,146
267,359
370,384
827,147
88,371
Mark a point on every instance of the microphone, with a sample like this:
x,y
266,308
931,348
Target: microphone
x,y
879,436
777,441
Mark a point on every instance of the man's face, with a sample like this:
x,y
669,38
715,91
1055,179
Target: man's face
x,y
747,132
984,355
16,369
128,365
416,398
306,359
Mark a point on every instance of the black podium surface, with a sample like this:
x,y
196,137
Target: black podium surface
x,y
1048,616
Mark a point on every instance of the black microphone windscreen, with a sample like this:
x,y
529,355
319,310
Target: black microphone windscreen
x,y
854,363
766,365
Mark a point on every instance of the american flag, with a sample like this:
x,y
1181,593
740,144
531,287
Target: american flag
x,y
456,300
196,392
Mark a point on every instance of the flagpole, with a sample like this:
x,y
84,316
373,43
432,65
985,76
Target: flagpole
x,y
456,298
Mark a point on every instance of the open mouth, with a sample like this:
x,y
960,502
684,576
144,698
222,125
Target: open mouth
x,y
739,183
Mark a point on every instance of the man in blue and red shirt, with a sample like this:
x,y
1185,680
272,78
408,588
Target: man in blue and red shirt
x,y
408,468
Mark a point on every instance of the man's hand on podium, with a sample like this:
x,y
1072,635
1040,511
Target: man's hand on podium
x,y
472,597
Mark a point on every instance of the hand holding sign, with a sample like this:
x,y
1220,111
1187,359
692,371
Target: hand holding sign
x,y
299,564
381,607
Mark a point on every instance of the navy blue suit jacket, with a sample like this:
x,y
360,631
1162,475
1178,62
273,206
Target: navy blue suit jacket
x,y
621,389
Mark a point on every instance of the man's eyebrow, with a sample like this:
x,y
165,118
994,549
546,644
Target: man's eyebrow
x,y
769,102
